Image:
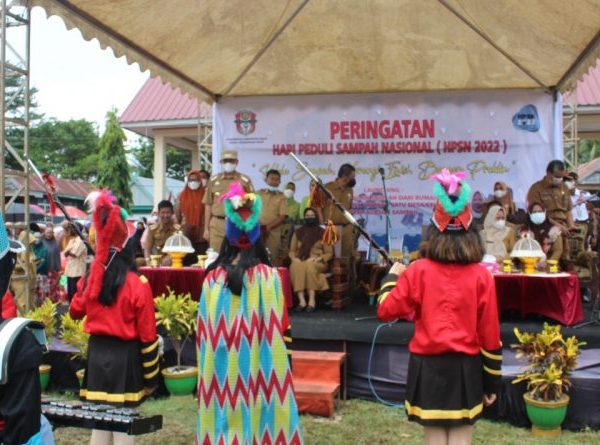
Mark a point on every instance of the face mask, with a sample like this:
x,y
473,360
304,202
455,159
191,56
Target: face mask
x,y
272,188
500,223
194,185
204,182
570,185
556,181
288,193
311,221
228,167
537,217
351,183
499,193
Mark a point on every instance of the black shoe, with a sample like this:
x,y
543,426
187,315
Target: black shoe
x,y
309,308
585,295
300,308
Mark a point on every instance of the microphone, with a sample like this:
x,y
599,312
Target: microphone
x,y
382,172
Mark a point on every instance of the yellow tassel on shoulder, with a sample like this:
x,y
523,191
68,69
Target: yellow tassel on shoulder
x,y
331,235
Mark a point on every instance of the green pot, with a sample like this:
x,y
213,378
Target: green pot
x,y
546,417
80,375
45,376
180,381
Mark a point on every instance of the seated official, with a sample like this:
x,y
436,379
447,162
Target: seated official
x,y
498,239
309,261
545,233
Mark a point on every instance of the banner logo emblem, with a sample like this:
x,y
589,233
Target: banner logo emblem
x,y
245,122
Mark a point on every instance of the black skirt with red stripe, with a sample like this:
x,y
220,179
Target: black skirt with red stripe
x,y
444,390
114,372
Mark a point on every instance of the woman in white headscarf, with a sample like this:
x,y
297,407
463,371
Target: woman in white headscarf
x,y
498,239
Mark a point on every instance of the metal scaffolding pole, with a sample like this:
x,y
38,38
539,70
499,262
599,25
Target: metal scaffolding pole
x,y
14,121
570,136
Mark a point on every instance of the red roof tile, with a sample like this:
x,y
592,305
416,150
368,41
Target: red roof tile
x,y
588,87
158,101
65,187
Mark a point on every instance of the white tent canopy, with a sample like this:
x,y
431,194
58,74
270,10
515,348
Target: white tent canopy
x,y
215,48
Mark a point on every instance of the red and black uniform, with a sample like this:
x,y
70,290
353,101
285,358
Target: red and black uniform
x,y
456,354
123,350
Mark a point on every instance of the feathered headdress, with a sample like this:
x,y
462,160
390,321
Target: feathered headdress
x,y
242,228
111,233
451,212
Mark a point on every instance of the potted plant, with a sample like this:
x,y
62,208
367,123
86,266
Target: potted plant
x,y
72,333
176,314
46,314
551,360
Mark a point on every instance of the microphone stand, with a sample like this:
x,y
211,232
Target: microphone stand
x,y
386,210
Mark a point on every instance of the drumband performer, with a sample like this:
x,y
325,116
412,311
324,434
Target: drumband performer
x,y
455,353
20,390
123,361
245,392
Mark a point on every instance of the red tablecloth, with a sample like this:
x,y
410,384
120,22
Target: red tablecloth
x,y
189,279
555,297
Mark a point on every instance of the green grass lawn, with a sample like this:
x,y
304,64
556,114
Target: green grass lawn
x,y
355,422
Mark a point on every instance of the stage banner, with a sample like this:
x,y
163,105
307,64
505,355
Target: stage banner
x,y
494,136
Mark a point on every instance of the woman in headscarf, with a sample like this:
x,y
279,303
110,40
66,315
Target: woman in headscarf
x,y
503,197
498,239
245,392
545,233
189,210
309,261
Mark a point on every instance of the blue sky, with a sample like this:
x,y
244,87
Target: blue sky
x,y
77,79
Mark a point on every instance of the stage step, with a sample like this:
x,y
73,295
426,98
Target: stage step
x,y
316,398
317,380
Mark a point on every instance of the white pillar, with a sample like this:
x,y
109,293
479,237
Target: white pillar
x,y
160,166
196,159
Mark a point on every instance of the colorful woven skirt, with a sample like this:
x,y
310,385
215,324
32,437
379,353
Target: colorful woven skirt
x,y
114,372
444,390
245,392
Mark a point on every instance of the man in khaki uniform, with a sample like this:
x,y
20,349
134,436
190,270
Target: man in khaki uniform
x,y
341,188
158,233
552,193
272,216
214,213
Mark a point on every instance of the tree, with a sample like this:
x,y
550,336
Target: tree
x,y
65,149
113,168
178,161
588,150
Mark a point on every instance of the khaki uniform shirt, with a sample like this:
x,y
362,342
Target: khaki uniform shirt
x,y
556,200
158,235
218,185
344,196
274,205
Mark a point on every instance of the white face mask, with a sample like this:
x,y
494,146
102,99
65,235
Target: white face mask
x,y
272,188
288,193
228,167
194,185
499,193
538,217
500,224
556,181
570,185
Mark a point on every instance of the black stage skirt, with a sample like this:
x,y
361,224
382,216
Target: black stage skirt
x,y
444,390
114,372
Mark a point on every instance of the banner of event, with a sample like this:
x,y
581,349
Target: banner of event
x,y
493,136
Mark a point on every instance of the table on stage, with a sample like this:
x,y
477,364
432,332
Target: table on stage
x,y
555,296
189,279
